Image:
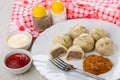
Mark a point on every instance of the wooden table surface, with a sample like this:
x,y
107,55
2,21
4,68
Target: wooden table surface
x,y
5,14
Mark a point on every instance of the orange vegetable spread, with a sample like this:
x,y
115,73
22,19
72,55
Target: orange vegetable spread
x,y
97,64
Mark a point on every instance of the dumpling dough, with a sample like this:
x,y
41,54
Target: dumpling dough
x,y
57,50
98,33
63,39
85,41
104,46
76,30
75,52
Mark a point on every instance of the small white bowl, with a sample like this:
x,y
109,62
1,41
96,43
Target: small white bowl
x,y
19,40
18,70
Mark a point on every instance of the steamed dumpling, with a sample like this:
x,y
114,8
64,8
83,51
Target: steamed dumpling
x,y
98,33
75,52
76,30
57,50
63,39
85,41
104,46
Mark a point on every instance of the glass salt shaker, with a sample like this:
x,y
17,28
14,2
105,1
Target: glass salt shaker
x,y
58,12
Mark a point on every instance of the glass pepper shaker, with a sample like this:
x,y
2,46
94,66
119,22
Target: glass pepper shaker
x,y
41,18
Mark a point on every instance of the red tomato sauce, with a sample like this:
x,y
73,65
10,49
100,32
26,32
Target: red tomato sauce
x,y
17,60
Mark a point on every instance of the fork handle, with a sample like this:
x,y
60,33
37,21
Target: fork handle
x,y
88,74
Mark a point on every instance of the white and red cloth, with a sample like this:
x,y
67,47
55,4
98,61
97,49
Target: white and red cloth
x,y
108,10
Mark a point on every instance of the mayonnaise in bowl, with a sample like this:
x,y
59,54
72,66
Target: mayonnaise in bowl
x,y
19,39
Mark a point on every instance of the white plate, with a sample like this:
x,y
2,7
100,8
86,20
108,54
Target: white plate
x,y
43,43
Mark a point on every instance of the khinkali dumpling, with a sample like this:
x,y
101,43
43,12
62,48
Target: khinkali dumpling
x,y
85,41
75,52
76,30
104,46
57,50
98,33
63,39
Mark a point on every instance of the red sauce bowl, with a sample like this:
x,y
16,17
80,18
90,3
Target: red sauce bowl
x,y
18,61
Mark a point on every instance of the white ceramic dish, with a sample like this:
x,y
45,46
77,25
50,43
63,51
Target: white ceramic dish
x,y
43,43
25,36
18,70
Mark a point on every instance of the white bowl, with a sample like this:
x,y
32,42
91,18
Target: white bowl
x,y
18,70
19,40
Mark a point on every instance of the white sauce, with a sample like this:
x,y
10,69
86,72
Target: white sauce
x,y
18,40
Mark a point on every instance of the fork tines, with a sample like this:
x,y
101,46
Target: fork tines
x,y
61,64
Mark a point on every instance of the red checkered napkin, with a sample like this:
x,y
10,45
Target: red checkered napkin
x,y
108,10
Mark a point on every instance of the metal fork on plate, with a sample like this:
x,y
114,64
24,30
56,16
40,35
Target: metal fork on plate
x,y
67,67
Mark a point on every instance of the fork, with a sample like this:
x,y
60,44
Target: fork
x,y
67,67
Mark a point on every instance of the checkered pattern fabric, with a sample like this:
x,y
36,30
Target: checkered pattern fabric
x,y
108,10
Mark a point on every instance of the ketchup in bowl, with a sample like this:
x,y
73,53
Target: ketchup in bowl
x,y
17,60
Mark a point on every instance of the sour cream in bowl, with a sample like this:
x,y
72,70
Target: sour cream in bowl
x,y
17,61
19,40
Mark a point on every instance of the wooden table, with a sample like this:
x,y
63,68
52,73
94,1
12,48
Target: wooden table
x,y
5,14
